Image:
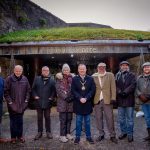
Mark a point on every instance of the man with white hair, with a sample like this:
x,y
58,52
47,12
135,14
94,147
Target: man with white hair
x,y
17,94
43,91
105,96
142,94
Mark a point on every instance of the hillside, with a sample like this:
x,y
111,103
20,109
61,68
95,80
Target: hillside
x,y
24,14
94,25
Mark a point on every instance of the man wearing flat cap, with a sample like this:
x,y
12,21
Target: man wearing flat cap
x,y
125,85
103,101
142,94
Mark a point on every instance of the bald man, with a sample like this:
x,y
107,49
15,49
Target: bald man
x,y
43,91
17,93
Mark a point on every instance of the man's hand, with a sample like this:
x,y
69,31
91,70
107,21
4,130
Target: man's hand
x,y
143,98
36,97
10,103
123,94
83,100
112,102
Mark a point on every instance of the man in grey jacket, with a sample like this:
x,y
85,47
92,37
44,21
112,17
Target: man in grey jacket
x,y
143,94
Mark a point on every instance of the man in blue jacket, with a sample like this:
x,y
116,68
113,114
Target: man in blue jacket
x,y
83,90
1,108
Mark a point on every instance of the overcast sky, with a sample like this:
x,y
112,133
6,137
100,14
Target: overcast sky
x,y
120,14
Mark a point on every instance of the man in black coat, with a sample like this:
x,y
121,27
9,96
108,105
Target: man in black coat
x,y
43,91
125,85
83,90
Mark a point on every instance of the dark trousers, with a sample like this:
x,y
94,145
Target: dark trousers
x,y
46,114
65,122
16,125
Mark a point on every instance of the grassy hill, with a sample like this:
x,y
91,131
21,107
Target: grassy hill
x,y
73,33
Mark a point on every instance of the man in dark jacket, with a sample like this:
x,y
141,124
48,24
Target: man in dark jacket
x,y
1,108
83,90
142,94
17,94
1,102
125,85
43,91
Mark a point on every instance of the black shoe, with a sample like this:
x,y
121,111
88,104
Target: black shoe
x,y
49,135
122,136
38,136
130,139
100,138
114,140
147,138
76,141
21,140
90,140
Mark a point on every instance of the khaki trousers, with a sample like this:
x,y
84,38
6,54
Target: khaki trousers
x,y
106,110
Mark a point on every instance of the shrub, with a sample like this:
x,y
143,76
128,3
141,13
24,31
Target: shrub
x,y
42,22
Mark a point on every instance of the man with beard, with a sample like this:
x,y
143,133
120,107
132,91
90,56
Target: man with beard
x,y
125,87
143,94
104,98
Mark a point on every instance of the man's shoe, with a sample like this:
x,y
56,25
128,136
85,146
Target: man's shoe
x,y
90,140
76,141
21,140
148,137
38,136
122,136
130,139
69,137
100,138
13,141
114,140
63,139
49,135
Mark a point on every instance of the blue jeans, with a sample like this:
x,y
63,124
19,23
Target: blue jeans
x,y
126,120
146,110
1,111
79,119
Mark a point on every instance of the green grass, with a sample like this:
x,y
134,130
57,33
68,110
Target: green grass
x,y
73,33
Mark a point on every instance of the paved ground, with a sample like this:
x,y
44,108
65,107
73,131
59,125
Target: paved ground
x,y
30,130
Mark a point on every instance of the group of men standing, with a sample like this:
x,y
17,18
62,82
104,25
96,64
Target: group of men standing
x,y
99,92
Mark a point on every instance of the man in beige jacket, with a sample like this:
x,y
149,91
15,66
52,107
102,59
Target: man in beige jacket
x,y
104,97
